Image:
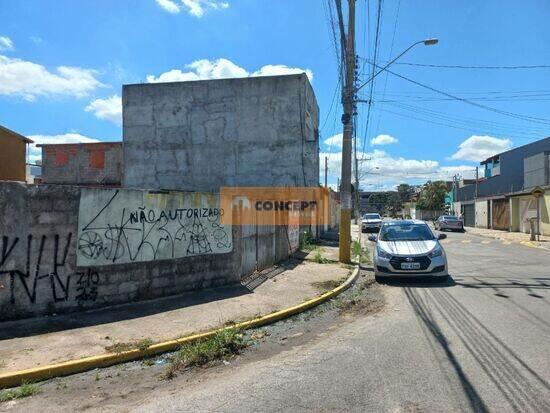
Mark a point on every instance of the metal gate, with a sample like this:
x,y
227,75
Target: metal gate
x,y
468,213
501,214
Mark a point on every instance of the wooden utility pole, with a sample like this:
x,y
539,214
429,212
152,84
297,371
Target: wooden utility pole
x,y
348,102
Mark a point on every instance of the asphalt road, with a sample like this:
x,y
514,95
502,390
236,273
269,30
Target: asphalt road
x,y
478,343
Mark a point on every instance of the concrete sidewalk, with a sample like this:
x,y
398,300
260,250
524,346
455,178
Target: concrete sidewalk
x,y
512,237
43,341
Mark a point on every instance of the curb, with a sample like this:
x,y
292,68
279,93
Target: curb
x,y
16,378
525,243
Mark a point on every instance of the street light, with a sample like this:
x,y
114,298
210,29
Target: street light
x,y
426,42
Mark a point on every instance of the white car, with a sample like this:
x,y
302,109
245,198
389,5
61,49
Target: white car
x,y
408,248
371,223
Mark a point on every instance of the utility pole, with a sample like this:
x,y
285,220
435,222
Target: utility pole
x,y
348,102
326,171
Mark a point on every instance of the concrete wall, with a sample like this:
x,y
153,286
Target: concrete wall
x,y
545,215
201,135
536,172
38,268
123,226
526,208
12,157
82,163
41,237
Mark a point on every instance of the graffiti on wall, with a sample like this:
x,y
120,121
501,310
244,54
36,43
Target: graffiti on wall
x,y
123,225
43,270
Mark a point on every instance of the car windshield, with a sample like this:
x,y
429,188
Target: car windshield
x,y
406,232
371,216
450,218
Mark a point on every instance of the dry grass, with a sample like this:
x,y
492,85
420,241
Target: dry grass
x,y
132,345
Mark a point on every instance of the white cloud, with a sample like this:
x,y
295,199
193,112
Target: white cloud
x,y
335,140
108,109
478,148
35,154
383,140
275,70
195,8
384,170
169,5
29,80
5,43
221,69
36,39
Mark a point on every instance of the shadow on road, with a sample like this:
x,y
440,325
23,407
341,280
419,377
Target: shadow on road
x,y
424,314
519,384
41,325
419,282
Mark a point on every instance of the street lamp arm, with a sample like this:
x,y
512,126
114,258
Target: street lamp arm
x,y
427,42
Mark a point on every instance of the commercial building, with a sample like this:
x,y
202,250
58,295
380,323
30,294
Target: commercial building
x,y
203,135
505,198
97,163
13,156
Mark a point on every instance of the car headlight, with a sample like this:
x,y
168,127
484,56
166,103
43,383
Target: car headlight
x,y
383,254
436,252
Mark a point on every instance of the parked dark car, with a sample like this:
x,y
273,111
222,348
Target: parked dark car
x,y
449,222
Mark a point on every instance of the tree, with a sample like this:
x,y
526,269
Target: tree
x,y
432,196
405,192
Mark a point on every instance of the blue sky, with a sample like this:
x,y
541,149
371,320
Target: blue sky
x,y
62,64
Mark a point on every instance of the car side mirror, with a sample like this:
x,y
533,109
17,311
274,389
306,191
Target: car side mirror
x,y
442,236
373,238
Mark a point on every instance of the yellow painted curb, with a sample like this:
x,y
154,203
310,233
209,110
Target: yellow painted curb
x,y
16,378
528,244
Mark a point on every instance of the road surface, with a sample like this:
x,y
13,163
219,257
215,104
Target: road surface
x,y
480,342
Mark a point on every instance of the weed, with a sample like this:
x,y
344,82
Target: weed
x,y
319,259
148,362
362,252
307,243
223,344
97,376
25,390
132,345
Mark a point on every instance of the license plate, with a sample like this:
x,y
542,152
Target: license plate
x,y
410,265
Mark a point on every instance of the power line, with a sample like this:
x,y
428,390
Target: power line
x,y
469,120
389,57
449,125
476,67
477,92
371,88
469,102
331,104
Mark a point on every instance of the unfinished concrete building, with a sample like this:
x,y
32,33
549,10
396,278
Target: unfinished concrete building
x,y
202,135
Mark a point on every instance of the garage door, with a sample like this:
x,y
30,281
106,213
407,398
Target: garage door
x,y
501,214
468,213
